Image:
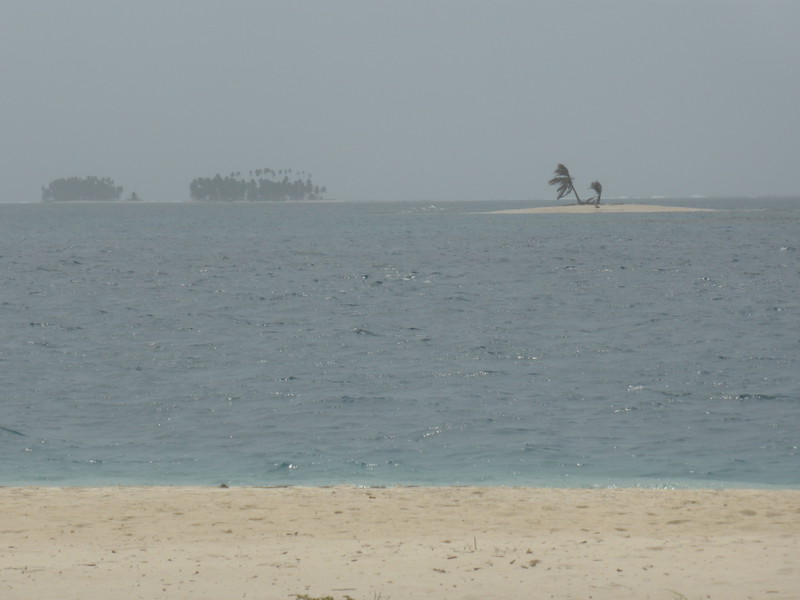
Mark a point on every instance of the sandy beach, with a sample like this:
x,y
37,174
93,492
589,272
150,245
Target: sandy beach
x,y
602,208
396,543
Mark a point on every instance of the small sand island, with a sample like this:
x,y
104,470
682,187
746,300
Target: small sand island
x,y
565,182
580,209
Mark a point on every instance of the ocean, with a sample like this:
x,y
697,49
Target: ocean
x,y
399,344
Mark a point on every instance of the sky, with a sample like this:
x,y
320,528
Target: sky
x,y
404,100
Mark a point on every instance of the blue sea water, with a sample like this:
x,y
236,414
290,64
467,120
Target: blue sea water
x,y
399,343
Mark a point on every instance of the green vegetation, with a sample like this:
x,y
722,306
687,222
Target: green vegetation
x,y
563,180
81,188
262,185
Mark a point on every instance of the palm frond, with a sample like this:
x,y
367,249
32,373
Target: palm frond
x,y
595,185
564,189
561,170
563,180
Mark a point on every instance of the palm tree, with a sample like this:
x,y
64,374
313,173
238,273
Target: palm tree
x,y
564,182
595,185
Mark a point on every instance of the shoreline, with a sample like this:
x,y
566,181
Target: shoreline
x,y
458,543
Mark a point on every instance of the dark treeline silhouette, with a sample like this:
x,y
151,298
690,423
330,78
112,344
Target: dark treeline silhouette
x,y
262,185
81,188
563,180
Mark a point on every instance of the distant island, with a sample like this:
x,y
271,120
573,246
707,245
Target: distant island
x,y
261,185
76,189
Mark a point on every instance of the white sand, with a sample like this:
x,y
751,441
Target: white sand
x,y
603,208
398,543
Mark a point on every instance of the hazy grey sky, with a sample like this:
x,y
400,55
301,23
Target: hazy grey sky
x,y
411,99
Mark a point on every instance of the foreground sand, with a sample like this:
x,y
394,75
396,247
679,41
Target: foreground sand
x,y
603,208
398,543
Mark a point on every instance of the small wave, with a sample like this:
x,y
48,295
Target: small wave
x,y
360,331
285,466
756,397
11,431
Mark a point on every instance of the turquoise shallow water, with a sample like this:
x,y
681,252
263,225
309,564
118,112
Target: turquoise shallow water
x,y
388,343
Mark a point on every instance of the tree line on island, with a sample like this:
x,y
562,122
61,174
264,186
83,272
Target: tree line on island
x,y
261,185
82,188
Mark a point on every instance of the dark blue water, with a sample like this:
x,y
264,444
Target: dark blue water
x,y
399,344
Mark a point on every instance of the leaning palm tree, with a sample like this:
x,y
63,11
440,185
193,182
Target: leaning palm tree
x,y
595,185
564,182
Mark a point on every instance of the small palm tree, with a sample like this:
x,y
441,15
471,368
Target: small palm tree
x,y
595,185
564,182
